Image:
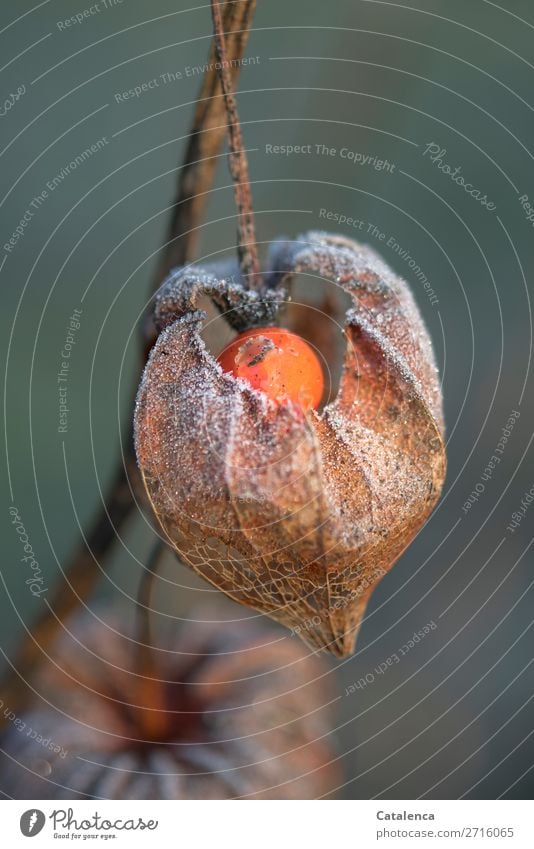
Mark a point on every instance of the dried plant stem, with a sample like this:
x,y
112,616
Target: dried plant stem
x,y
195,179
246,237
206,138
153,717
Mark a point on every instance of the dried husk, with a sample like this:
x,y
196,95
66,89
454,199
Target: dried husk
x,y
296,515
245,712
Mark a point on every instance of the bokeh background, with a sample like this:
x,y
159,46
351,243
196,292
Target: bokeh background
x,y
383,79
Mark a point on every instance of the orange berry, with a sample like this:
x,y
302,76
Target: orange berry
x,y
277,362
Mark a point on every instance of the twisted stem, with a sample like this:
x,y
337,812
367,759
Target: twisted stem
x,y
247,249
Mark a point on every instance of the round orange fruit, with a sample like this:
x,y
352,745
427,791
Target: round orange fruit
x,y
277,362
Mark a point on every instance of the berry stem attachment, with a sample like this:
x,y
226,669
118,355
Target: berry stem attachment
x,y
246,236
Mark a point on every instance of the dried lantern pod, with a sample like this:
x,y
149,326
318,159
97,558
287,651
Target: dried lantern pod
x,y
295,514
241,713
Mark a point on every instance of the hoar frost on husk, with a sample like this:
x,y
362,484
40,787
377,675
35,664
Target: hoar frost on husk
x,y
296,515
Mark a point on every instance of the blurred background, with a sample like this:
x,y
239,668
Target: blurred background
x,y
398,92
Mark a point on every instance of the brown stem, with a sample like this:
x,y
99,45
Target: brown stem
x,y
246,237
153,716
205,141
144,595
195,178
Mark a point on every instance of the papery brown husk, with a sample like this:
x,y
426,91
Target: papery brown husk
x,y
296,515
246,716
